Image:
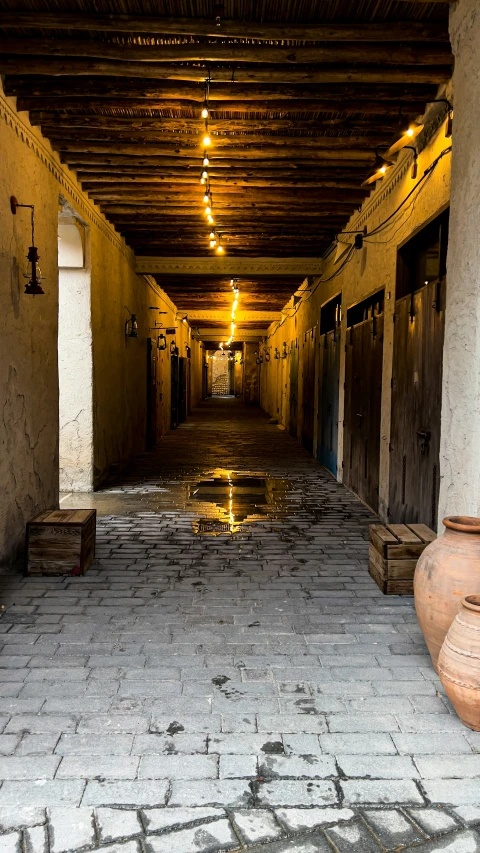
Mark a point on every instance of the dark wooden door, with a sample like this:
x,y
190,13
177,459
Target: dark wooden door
x,y
293,414
174,393
416,405
363,394
308,389
328,393
154,395
182,389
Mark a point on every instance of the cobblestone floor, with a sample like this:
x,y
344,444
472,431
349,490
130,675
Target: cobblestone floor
x,y
251,690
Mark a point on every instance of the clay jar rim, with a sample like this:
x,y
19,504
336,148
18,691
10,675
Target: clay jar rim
x,y
462,523
472,602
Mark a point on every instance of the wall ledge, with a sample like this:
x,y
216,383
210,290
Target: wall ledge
x,y
62,175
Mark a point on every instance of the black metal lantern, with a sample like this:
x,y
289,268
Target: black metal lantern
x,y
161,342
284,350
276,353
131,327
173,347
33,286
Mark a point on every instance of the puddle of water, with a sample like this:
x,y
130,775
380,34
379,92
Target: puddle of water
x,y
229,500
221,502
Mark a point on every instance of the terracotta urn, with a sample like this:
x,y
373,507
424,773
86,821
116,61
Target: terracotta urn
x,y
459,662
447,571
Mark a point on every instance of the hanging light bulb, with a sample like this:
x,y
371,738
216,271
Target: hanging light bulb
x,y
205,174
206,161
212,235
206,197
211,220
380,169
205,110
202,179
213,243
408,135
206,140
208,210
220,247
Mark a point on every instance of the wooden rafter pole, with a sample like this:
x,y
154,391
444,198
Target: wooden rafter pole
x,y
155,70
391,31
390,53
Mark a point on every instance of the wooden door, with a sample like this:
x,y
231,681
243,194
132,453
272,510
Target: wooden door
x,y
328,394
293,389
363,395
308,389
182,389
174,395
416,405
154,395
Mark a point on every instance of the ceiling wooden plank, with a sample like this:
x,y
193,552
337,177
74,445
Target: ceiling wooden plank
x,y
374,31
97,67
389,53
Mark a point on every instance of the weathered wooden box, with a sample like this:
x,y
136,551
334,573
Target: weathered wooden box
x,y
60,542
394,551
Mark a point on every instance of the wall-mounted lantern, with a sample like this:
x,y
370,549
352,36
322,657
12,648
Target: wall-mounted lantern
x,y
131,327
34,276
284,350
276,354
173,347
161,342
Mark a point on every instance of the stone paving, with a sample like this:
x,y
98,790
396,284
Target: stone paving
x,y
251,690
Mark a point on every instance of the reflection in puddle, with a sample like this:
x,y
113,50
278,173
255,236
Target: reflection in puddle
x,y
229,500
221,502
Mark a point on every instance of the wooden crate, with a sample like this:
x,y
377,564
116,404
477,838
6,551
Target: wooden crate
x,y
393,552
60,542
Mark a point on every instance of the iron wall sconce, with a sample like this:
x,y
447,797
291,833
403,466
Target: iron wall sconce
x,y
131,327
33,286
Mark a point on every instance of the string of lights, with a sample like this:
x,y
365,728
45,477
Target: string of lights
x,y
236,292
214,238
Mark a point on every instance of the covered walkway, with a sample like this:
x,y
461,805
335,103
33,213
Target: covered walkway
x,y
222,690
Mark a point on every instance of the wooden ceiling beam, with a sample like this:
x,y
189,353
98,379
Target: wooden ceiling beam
x,y
232,195
389,53
134,211
44,107
191,166
31,64
73,89
103,182
153,124
375,31
268,152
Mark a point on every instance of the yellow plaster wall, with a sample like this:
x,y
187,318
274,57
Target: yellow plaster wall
x,y
372,268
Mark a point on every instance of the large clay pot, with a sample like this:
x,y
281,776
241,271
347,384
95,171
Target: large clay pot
x,y
459,662
447,571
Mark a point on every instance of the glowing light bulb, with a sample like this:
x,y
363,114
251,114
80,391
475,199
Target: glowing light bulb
x,y
206,198
202,180
210,220
212,235
383,169
213,243
208,210
206,161
410,131
205,111
220,249
206,140
205,174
